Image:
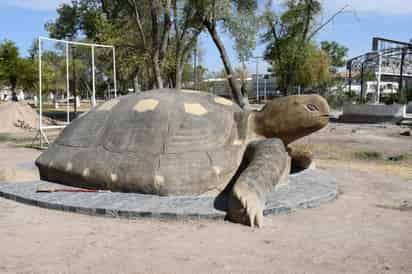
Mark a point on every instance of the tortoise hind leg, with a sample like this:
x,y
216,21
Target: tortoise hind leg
x,y
267,164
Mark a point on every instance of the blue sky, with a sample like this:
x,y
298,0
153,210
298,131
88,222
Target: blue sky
x,y
23,20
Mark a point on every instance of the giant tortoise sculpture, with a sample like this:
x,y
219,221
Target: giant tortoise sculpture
x,y
172,142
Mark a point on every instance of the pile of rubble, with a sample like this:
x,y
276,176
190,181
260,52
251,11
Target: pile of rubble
x,y
17,116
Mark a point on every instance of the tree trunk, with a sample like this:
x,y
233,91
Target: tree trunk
x,y
179,74
136,86
241,100
179,65
13,83
172,81
156,70
156,46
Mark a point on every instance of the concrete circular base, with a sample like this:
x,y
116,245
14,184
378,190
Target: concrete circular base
x,y
306,189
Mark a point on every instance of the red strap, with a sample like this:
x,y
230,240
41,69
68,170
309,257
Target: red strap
x,y
75,190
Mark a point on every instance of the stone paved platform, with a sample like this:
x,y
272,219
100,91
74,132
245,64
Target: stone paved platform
x,y
306,189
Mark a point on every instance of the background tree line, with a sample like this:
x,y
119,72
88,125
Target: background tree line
x,y
155,38
15,71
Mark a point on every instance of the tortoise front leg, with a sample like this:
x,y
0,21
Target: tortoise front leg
x,y
301,156
267,162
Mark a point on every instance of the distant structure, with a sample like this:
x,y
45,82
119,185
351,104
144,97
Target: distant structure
x,y
260,87
7,95
386,70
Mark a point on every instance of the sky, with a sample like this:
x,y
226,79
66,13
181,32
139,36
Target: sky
x,y
23,20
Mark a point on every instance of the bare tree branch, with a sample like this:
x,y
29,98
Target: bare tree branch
x,y
138,21
327,22
166,31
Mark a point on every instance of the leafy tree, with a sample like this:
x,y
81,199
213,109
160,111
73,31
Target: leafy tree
x,y
187,28
153,35
93,20
337,54
28,79
157,36
314,71
16,71
10,64
67,24
289,36
238,18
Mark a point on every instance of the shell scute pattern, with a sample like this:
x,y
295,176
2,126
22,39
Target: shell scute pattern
x,y
150,143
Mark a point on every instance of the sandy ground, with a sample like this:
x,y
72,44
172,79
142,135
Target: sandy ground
x,y
366,230
18,116
10,160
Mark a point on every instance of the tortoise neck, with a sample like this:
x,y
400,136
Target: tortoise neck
x,y
253,129
258,121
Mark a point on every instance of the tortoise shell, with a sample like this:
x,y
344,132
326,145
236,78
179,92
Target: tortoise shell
x,y
163,142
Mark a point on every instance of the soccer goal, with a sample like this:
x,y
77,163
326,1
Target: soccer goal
x,y
73,77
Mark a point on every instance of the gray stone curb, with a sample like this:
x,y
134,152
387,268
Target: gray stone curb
x,y
307,189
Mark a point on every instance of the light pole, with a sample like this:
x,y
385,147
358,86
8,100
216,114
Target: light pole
x,y
195,61
379,76
265,91
257,76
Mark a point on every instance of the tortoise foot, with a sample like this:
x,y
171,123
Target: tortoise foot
x,y
245,206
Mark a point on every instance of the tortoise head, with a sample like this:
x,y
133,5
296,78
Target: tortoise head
x,y
292,117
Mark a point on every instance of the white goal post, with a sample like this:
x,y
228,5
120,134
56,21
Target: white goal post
x,y
42,127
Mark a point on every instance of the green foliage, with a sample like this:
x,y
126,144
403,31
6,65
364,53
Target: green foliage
x,y
400,157
103,22
28,79
369,155
296,59
337,54
16,71
140,30
67,24
378,156
237,17
314,69
393,98
242,24
13,138
338,98
10,63
290,49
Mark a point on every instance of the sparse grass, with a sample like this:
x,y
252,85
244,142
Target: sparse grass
x,y
401,169
31,146
400,158
12,138
369,155
379,156
403,206
325,151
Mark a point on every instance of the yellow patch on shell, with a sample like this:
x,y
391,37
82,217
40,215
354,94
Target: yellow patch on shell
x,y
195,109
86,172
108,105
113,177
237,142
146,105
51,164
159,179
189,91
217,170
223,101
69,166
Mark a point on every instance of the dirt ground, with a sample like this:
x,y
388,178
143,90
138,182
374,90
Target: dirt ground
x,y
366,230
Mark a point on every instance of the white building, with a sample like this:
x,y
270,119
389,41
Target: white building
x,y
264,86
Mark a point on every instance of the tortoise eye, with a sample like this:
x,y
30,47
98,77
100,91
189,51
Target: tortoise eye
x,y
312,107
